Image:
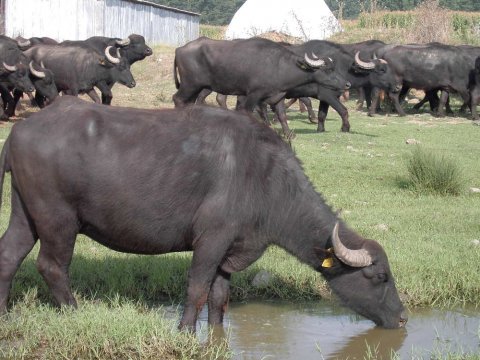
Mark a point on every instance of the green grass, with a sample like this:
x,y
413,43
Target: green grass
x,y
428,238
433,174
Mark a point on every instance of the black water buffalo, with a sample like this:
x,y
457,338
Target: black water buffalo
x,y
431,67
259,69
431,96
133,49
359,73
201,179
44,83
77,69
368,49
13,73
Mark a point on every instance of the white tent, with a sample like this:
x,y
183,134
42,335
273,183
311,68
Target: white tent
x,y
304,19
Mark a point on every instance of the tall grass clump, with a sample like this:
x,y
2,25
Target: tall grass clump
x,y
433,174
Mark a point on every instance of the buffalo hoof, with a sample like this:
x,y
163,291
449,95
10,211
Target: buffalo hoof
x,y
290,135
313,120
345,129
371,114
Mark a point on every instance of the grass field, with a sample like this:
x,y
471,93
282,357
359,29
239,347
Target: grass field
x,y
431,240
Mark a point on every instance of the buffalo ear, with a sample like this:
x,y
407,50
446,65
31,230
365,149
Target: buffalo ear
x,y
102,61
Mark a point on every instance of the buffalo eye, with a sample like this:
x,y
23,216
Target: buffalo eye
x,y
382,69
381,277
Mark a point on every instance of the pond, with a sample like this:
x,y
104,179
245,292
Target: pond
x,y
324,330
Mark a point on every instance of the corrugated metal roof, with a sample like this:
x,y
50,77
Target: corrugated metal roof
x,y
143,2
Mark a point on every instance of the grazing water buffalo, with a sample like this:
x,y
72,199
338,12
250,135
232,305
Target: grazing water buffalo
x,y
199,179
259,69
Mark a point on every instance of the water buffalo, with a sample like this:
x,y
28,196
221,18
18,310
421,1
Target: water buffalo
x,y
132,49
14,73
77,69
201,179
431,67
359,73
259,69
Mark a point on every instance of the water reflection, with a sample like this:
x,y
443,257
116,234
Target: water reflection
x,y
323,330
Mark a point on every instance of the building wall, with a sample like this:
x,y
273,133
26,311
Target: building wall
x,y
80,19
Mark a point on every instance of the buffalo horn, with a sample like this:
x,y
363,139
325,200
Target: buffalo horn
x,y
354,258
25,43
111,58
363,64
39,74
123,42
118,53
41,64
383,61
314,63
11,68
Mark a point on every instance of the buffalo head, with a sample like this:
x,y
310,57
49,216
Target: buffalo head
x,y
362,279
324,73
119,66
380,73
18,76
43,81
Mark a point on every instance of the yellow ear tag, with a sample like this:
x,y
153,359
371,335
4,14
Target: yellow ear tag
x,y
328,262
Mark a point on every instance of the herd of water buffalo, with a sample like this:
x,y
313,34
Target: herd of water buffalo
x,y
72,67
262,71
196,178
259,71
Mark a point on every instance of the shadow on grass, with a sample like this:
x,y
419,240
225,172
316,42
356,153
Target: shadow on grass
x,y
150,280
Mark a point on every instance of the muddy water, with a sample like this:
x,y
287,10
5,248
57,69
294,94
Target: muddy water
x,y
322,330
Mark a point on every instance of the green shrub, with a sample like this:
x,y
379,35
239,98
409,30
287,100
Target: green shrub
x,y
434,174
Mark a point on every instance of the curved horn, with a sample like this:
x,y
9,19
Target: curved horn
x,y
118,53
11,68
374,56
383,61
123,42
41,64
363,64
354,258
314,63
39,74
111,58
25,43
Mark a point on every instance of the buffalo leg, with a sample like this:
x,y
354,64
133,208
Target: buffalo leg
x,y
441,105
222,100
8,103
338,107
218,297
185,96
201,98
374,94
15,244
308,104
202,273
262,110
57,241
396,103
106,91
281,114
322,115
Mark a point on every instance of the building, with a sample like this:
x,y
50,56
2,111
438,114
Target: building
x,y
80,19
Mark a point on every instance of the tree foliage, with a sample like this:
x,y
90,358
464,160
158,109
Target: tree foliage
x,y
220,12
